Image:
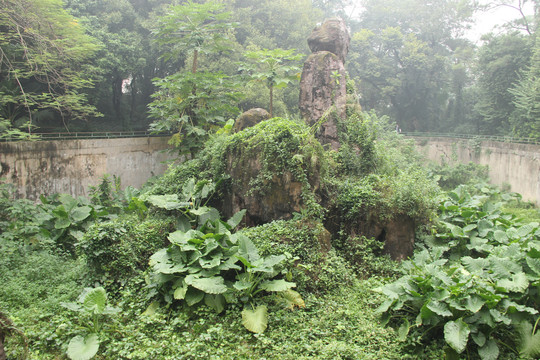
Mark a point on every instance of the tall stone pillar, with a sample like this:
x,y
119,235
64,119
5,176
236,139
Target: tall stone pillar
x,y
323,82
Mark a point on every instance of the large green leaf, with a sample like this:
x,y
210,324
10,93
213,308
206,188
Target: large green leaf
x,y
276,285
81,213
80,348
193,296
490,351
95,300
529,343
518,283
167,202
247,249
236,219
439,308
213,285
456,334
216,302
255,320
291,298
403,330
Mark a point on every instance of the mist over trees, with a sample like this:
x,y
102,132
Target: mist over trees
x,y
97,65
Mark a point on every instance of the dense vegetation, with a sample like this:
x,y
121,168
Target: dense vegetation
x,y
161,273
176,271
97,65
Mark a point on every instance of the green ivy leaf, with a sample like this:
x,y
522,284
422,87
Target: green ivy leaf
x,y
255,320
456,334
80,348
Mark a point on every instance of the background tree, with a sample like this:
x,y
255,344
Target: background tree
x,y
276,68
500,61
404,60
192,101
43,51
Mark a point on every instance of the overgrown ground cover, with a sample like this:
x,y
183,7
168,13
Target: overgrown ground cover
x,y
159,274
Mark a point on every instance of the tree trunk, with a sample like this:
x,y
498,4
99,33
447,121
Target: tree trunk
x,y
2,351
271,101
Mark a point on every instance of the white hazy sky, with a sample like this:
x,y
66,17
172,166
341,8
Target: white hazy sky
x,y
489,20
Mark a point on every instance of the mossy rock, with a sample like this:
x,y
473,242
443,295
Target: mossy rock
x,y
275,169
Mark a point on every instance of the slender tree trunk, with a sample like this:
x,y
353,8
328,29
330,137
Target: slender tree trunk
x,y
271,100
195,60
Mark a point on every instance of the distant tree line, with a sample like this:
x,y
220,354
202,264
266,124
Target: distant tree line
x,y
182,66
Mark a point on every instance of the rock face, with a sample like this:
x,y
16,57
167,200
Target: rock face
x,y
323,85
250,118
331,36
323,82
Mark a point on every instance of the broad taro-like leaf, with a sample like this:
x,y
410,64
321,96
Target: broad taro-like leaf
x,y
95,300
236,219
255,320
474,303
456,334
490,351
180,291
213,285
484,226
81,213
500,236
503,266
247,249
518,283
151,309
403,330
80,348
193,296
439,308
216,302
167,202
534,265
276,285
529,343
291,298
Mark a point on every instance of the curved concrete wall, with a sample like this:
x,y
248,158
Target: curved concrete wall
x,y
71,166
515,164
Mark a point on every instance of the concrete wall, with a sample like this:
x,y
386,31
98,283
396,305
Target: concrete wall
x,y
71,166
515,164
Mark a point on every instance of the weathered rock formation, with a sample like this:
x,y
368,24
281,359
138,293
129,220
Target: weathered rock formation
x,y
331,36
250,118
323,82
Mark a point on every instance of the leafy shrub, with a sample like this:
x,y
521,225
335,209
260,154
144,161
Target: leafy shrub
x,y
475,280
318,268
115,250
449,176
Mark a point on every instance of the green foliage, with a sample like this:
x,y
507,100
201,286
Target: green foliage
x,y
116,250
201,262
449,176
43,64
318,268
92,305
275,67
190,103
476,277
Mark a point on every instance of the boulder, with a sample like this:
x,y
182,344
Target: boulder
x,y
332,36
250,118
322,85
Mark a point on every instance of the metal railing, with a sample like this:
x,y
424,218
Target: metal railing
x,y
501,138
81,135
